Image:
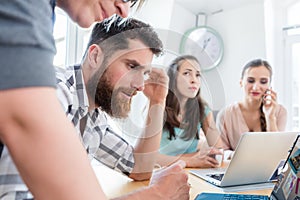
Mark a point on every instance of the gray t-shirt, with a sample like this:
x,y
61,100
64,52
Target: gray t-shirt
x,y
27,49
27,46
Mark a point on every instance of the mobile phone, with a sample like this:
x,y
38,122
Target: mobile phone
x,y
268,98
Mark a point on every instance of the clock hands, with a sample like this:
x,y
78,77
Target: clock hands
x,y
205,43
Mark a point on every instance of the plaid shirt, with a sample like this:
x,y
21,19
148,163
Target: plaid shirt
x,y
100,141
98,138
12,186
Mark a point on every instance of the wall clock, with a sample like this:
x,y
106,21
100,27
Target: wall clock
x,y
205,44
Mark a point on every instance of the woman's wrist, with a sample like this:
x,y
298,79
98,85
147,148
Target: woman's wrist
x,y
159,101
187,160
271,118
271,123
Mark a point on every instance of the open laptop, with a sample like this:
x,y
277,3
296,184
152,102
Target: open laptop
x,y
257,156
286,188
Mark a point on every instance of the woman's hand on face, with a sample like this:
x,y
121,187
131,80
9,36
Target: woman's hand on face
x,y
269,103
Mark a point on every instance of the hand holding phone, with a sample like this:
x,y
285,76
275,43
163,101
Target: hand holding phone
x,y
267,97
269,103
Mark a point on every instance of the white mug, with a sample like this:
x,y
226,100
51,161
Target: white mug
x,y
219,157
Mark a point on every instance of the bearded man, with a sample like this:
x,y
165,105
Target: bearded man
x,y
113,70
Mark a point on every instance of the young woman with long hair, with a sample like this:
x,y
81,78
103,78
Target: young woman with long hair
x,y
258,111
187,114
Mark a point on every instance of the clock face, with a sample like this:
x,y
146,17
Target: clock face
x,y
205,44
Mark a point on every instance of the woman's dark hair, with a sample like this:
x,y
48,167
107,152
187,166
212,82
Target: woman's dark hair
x,y
258,63
194,110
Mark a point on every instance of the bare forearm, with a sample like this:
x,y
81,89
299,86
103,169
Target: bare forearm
x,y
147,146
141,194
213,136
150,139
271,124
166,160
41,144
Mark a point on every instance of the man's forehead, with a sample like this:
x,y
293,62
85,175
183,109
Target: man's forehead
x,y
142,56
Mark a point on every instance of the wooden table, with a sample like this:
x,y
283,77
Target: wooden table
x,y
115,184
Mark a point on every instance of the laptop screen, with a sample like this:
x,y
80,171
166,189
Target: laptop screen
x,y
288,185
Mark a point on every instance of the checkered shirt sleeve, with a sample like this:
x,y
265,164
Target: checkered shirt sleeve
x,y
113,151
99,139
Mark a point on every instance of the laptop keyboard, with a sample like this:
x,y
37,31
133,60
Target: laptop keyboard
x,y
230,196
216,176
244,197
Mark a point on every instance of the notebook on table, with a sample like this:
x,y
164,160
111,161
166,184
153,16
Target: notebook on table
x,y
286,188
256,157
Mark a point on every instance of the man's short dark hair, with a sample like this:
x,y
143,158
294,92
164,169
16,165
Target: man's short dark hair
x,y
114,34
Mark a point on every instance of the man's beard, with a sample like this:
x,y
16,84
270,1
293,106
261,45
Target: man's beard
x,y
109,99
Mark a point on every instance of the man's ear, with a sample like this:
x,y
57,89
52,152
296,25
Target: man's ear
x,y
95,56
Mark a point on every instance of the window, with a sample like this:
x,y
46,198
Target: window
x,y
292,63
295,65
293,19
70,40
60,36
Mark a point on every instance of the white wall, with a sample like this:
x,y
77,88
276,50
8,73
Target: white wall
x,y
158,14
248,32
277,52
243,33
